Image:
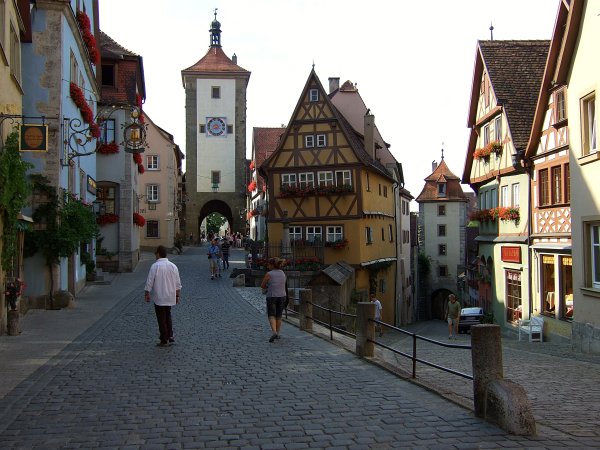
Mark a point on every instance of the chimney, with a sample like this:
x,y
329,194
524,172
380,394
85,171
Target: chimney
x,y
370,134
433,165
234,59
334,84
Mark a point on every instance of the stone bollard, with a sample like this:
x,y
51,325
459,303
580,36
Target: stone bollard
x,y
305,320
12,324
499,401
239,281
486,348
365,329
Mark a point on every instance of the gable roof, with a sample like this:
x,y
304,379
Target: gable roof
x,y
515,70
264,143
442,174
564,37
354,140
109,48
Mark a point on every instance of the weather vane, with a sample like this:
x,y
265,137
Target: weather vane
x,y
442,151
216,9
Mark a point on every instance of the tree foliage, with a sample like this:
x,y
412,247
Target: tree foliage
x,y
214,222
14,191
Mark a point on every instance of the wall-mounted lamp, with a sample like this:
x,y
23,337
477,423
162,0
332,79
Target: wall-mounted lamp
x,y
98,207
518,158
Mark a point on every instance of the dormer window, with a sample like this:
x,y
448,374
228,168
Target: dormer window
x,y
313,95
441,189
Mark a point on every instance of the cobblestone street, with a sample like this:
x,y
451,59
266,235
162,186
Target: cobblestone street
x,y
223,385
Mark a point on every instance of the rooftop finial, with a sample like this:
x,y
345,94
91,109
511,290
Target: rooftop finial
x,y
491,31
442,151
215,32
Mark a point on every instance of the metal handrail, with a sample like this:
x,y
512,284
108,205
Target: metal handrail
x,y
414,336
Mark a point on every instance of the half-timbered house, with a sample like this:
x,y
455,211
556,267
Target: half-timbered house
x,y
547,158
326,186
506,83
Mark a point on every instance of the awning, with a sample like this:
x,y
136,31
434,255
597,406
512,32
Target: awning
x,y
552,246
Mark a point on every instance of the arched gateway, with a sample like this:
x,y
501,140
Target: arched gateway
x,y
215,102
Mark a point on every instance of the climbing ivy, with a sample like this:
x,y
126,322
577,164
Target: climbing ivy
x,y
14,191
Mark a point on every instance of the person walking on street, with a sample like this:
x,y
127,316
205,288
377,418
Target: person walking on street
x,y
378,308
275,282
452,316
163,287
225,245
213,259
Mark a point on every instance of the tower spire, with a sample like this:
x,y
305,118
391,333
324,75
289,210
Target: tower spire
x,y
442,151
215,32
491,31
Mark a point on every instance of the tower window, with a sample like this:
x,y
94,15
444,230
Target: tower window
x,y
313,95
441,210
108,74
441,189
216,92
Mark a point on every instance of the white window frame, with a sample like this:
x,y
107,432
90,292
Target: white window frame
x,y
15,54
153,193
309,141
441,189
494,196
498,129
391,232
74,69
288,179
334,233
295,232
486,134
314,233
306,180
325,178
321,140
313,95
515,194
343,178
107,131
589,124
504,200
594,249
152,162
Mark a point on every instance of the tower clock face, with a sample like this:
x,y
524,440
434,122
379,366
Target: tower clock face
x,y
216,126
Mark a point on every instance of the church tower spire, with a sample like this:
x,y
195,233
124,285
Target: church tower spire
x,y
215,32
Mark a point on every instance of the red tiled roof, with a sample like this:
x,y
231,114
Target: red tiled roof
x,y
215,60
442,174
265,141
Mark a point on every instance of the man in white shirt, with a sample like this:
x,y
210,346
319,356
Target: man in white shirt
x,y
378,308
163,286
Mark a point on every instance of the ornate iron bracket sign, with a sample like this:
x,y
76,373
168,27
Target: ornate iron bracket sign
x,y
79,134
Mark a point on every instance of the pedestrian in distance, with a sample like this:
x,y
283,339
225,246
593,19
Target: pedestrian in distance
x,y
275,282
452,316
163,287
213,259
225,245
378,308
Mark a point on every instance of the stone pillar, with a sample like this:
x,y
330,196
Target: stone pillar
x,y
365,329
306,322
486,349
12,325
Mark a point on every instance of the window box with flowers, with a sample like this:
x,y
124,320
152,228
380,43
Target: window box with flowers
x,y
508,213
483,215
105,219
252,186
86,112
287,191
307,264
141,169
85,27
340,243
332,190
138,220
108,148
484,153
251,165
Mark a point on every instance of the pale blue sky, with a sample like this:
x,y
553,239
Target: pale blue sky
x,y
412,61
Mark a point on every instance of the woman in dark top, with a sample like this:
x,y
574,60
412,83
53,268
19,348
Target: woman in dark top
x,y
275,281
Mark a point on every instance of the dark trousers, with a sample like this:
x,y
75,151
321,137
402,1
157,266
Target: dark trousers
x,y
165,326
225,261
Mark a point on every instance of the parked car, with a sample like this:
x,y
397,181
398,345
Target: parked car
x,y
468,317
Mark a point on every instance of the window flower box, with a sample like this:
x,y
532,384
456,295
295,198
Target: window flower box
x,y
340,243
252,186
105,219
108,148
138,220
88,38
141,169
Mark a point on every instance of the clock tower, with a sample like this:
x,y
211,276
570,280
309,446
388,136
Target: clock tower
x,y
215,102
